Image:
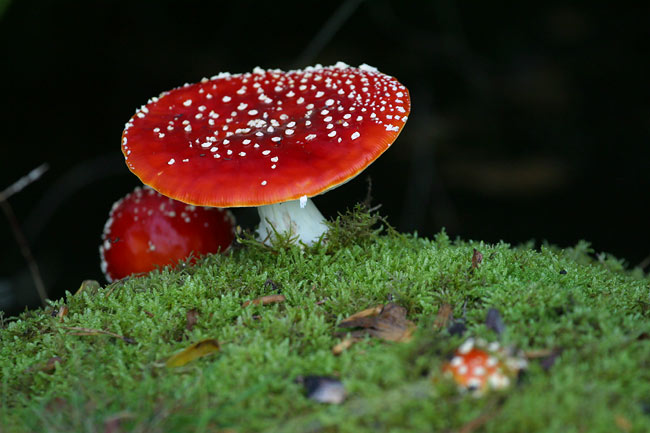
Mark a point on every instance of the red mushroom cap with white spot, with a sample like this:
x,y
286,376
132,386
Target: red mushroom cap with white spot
x,y
146,229
265,137
478,368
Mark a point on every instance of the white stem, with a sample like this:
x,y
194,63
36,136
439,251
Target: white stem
x,y
305,222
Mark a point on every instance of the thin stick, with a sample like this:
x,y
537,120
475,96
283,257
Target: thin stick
x,y
18,233
21,183
78,330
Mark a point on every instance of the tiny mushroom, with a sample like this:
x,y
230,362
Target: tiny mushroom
x,y
268,138
146,229
477,366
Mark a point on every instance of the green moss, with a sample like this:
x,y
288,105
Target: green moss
x,y
589,306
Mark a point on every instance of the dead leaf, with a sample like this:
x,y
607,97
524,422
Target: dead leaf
x,y
192,352
51,364
392,325
89,331
266,300
368,312
192,317
623,423
89,286
323,389
63,311
389,323
477,258
344,345
444,316
48,366
113,424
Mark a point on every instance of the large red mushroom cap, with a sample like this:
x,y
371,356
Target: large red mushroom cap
x,y
265,137
146,229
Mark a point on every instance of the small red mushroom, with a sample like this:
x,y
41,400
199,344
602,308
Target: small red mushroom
x,y
269,138
477,366
146,229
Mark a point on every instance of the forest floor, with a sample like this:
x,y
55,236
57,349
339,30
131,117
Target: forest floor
x,y
182,350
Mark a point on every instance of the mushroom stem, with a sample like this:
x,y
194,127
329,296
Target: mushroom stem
x,y
305,222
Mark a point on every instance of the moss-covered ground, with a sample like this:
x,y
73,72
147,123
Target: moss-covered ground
x,y
586,317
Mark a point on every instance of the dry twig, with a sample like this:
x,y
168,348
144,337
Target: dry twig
x,y
12,189
77,330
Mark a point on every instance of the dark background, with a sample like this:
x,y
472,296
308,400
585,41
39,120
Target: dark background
x,y
529,121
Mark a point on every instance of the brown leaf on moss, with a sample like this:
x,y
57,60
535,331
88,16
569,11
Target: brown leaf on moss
x,y
444,316
266,300
623,423
344,345
192,318
192,352
113,424
51,364
477,258
368,312
63,311
386,322
48,366
88,286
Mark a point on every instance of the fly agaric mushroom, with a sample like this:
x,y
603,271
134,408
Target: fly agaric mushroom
x,y
146,229
477,366
269,138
